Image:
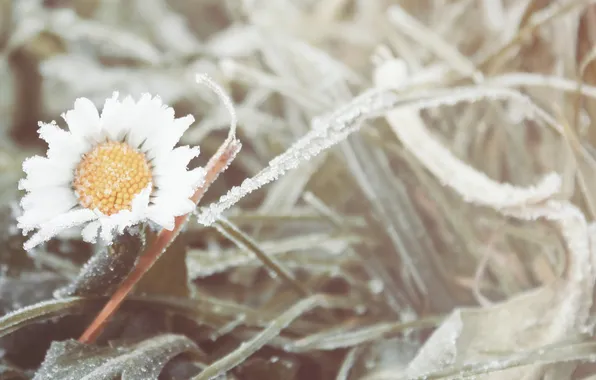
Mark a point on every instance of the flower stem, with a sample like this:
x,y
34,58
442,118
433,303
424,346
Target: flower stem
x,y
216,165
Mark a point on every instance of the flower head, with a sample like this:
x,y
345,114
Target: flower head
x,y
109,171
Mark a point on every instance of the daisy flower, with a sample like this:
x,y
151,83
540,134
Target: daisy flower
x,y
109,171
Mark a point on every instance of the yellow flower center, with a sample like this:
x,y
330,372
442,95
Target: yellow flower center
x,y
109,176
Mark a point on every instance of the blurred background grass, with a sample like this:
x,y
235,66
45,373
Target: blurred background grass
x,y
364,223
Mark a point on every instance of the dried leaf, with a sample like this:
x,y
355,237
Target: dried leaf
x,y
542,317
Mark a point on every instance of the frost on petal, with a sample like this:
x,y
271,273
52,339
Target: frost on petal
x,y
41,205
140,203
180,206
62,196
162,216
44,172
170,135
197,177
175,159
137,120
62,144
158,122
35,217
115,115
116,223
107,229
59,224
83,119
90,231
173,187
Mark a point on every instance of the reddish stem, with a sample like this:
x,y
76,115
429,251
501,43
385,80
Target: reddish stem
x,y
216,165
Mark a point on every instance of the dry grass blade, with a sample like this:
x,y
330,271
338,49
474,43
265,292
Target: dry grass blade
x,y
249,347
462,185
572,296
345,337
242,240
203,263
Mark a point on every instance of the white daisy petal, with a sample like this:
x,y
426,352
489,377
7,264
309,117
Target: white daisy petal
x,y
92,171
89,233
44,172
187,182
61,197
83,119
107,229
59,224
115,117
35,217
62,144
196,177
162,217
181,206
140,202
146,119
166,139
177,158
159,123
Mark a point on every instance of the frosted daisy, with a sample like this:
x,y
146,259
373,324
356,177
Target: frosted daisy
x,y
109,171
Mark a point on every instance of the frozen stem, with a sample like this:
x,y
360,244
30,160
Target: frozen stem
x,y
216,165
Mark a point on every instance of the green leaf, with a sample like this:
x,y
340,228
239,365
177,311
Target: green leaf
x,y
106,269
43,311
71,360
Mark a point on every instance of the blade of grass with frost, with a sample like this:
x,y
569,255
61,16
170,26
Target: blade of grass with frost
x,y
456,95
203,263
205,310
493,60
413,251
274,328
348,363
109,41
568,300
325,132
345,337
426,37
410,129
286,191
252,76
157,16
311,67
331,129
71,360
243,241
551,354
540,80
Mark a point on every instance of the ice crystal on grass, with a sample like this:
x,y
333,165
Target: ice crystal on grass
x,y
468,333
71,360
326,132
450,236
